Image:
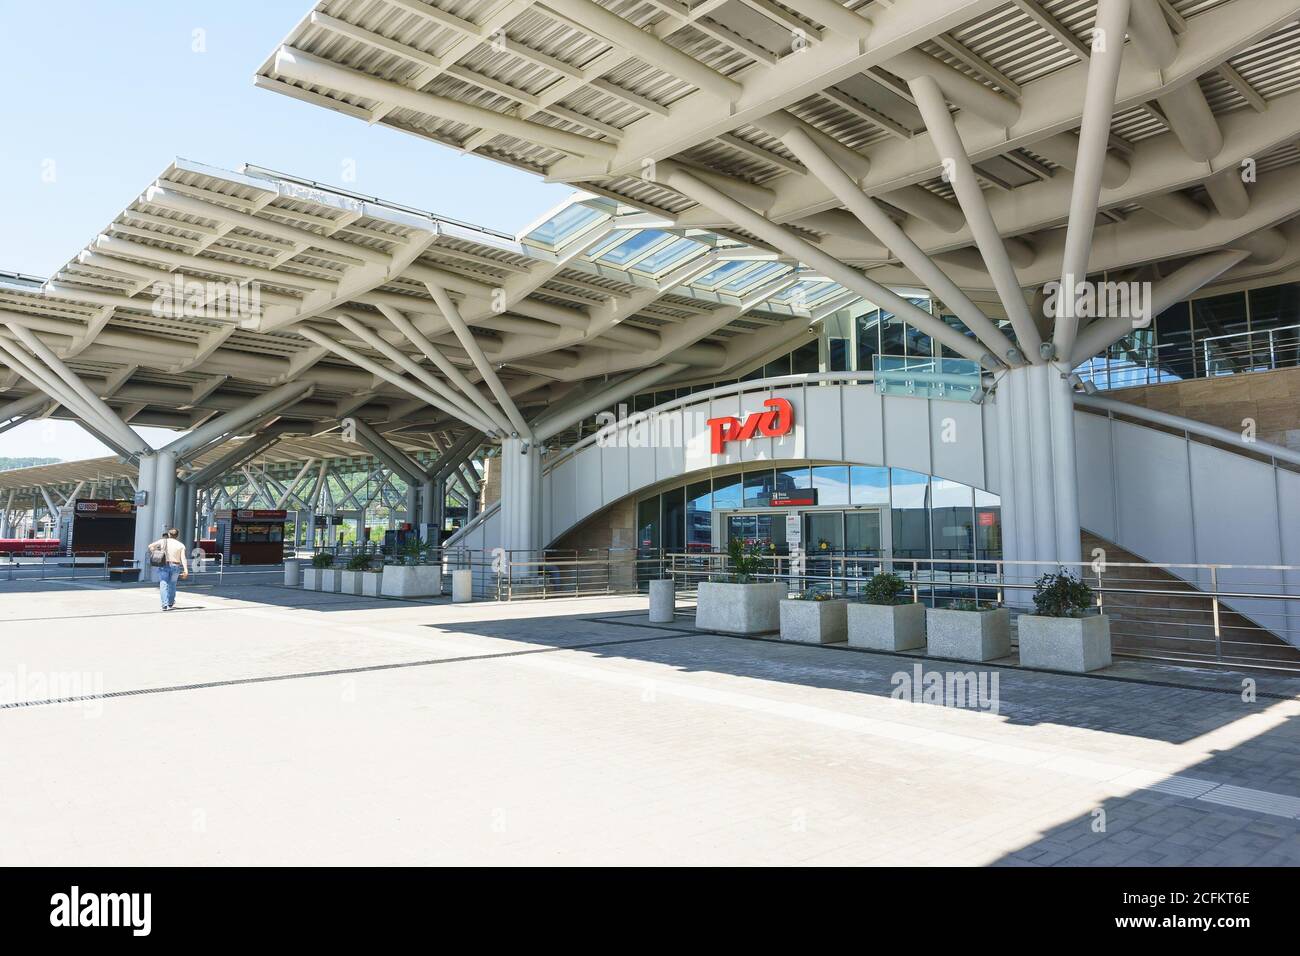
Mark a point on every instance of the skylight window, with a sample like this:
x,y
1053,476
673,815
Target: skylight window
x,y
568,222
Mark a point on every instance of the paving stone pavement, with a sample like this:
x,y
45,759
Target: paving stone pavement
x,y
571,732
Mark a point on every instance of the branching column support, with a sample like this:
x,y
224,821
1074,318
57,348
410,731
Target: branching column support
x,y
900,244
952,153
452,314
799,248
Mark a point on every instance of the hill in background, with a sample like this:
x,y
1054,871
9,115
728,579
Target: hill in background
x,y
7,464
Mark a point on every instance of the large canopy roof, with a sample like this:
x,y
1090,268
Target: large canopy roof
x,y
644,100
283,279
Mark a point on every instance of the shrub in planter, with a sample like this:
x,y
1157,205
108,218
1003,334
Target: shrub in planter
x,y
411,580
814,617
321,576
968,631
351,578
1064,634
739,603
886,619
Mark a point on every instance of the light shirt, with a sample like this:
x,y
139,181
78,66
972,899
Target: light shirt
x,y
175,552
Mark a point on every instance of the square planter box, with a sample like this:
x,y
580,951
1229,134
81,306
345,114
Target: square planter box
x,y
1077,644
350,581
411,580
814,622
887,627
371,583
739,608
968,635
320,579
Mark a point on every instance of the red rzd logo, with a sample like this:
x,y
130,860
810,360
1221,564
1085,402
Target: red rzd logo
x,y
779,421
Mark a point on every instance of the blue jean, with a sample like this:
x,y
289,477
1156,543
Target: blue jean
x,y
167,583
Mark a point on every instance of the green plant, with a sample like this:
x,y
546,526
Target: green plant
x,y
966,604
884,588
1061,594
745,559
812,594
322,559
359,562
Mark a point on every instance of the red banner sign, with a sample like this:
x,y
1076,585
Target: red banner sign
x,y
773,424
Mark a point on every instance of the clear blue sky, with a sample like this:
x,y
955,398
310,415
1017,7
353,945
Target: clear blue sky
x,y
111,92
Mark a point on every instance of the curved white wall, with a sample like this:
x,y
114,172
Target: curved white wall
x,y
840,423
1158,495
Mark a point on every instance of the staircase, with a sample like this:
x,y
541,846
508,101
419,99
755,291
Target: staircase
x,y
1178,626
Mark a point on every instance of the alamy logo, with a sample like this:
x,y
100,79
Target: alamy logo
x,y
973,690
134,910
180,299
1099,300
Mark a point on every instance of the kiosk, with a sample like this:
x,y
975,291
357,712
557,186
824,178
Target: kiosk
x,y
94,526
251,536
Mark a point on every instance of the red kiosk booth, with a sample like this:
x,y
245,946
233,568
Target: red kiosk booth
x,y
251,536
99,526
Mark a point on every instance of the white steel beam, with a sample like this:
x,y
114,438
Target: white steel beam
x,y
452,314
934,110
881,225
1098,107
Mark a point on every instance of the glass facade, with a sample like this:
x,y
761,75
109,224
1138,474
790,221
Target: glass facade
x,y
859,509
1247,331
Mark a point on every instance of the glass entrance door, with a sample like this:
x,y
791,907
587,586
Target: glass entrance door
x,y
862,534
767,530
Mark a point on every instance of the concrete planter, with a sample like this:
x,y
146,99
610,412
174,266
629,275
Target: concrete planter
x,y
968,635
320,579
411,580
1077,644
814,622
292,573
462,586
663,601
350,582
887,627
739,608
371,583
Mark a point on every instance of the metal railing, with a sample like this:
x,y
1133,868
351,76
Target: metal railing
x,y
1257,350
1188,613
23,566
1194,613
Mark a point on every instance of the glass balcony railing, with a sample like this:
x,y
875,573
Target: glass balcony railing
x,y
921,377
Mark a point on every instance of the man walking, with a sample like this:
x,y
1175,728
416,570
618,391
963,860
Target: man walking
x,y
167,557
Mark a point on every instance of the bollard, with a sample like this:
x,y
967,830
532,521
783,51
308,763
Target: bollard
x,y
462,586
292,573
663,600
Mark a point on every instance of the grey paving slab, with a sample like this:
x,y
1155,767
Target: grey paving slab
x,y
275,727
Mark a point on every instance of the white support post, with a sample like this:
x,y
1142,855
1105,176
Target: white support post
x,y
6,520
144,514
1064,466
1041,465
521,478
165,490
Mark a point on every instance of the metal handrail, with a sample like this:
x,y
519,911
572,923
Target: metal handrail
x,y
95,558
544,574
1246,350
